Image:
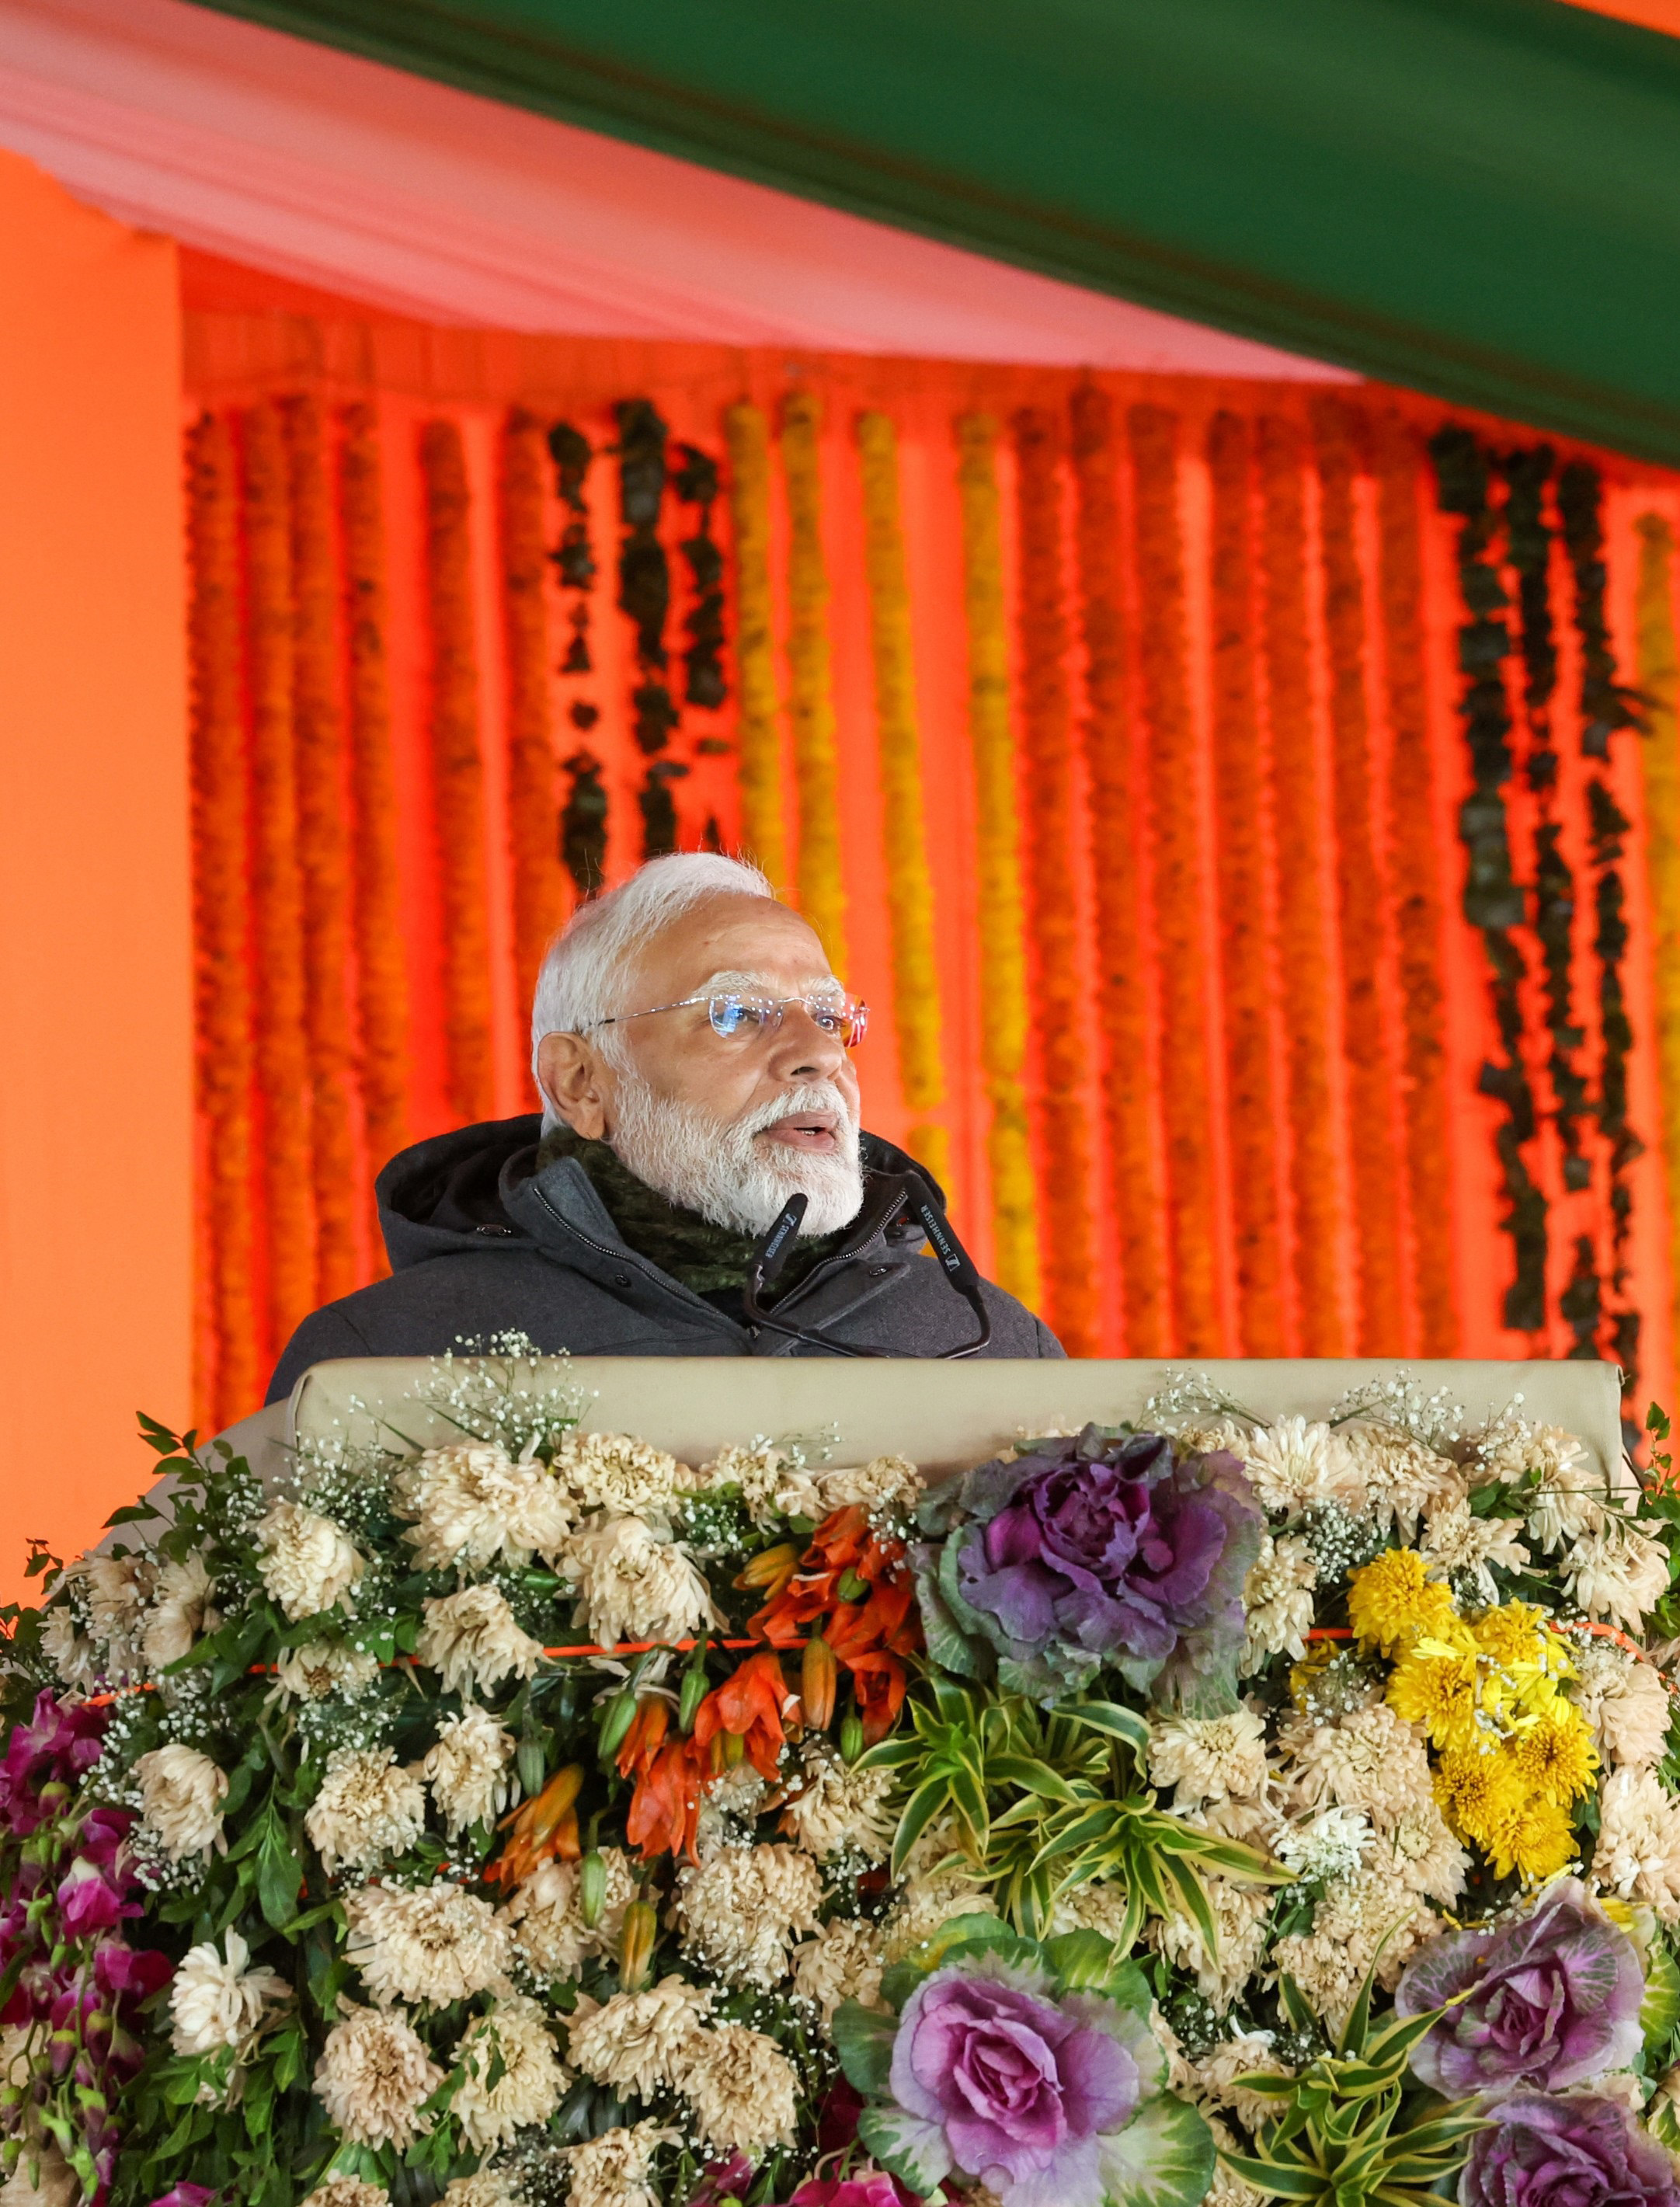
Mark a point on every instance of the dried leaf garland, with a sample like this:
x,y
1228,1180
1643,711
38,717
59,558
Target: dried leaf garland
x,y
1136,1198
644,593
382,1002
458,781
1164,699
228,1383
581,829
704,683
1241,871
1659,757
1315,1206
277,902
918,1025
1414,870
1047,802
1003,1003
1360,896
323,851
539,892
817,877
747,436
584,822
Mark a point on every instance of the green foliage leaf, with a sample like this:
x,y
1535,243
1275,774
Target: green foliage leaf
x,y
1659,2011
1163,2157
905,2146
863,2041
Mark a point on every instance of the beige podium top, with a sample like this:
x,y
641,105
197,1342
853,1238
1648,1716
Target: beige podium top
x,y
944,1416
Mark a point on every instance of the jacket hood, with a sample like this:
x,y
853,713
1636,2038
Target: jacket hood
x,y
446,1195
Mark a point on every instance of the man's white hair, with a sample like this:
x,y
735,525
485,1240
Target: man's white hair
x,y
585,973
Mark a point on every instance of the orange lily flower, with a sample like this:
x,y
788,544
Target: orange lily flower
x,y
750,1706
543,1827
664,1807
878,1680
646,1736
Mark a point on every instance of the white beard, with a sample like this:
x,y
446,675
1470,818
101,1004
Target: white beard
x,y
716,1168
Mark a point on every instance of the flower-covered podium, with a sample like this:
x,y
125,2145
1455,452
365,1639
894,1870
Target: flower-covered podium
x,y
634,1783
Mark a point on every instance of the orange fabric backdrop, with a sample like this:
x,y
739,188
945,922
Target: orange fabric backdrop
x,y
1254,770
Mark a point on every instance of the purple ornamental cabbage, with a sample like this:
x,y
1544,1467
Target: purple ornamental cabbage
x,y
1555,2001
1094,1550
1546,2151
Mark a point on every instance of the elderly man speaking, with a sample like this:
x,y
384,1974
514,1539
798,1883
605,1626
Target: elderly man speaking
x,y
693,1050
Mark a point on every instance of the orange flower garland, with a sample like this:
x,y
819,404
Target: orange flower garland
x,y
1134,1189
277,904
916,1007
748,436
323,852
228,1382
1047,799
1382,1314
1163,689
1297,815
821,890
382,1006
1659,761
457,794
1251,1104
1397,458
539,897
1003,1012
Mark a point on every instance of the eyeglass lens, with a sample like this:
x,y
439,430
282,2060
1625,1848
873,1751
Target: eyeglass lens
x,y
740,1017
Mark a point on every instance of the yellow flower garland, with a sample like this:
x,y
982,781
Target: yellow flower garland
x,y
763,832
916,1007
1003,1023
817,877
1659,757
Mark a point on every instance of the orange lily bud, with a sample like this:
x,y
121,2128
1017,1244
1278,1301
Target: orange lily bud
x,y
636,1945
771,1568
819,1676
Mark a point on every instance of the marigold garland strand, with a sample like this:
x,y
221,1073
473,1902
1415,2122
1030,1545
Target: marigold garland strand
x,y
916,1003
747,434
382,1005
457,790
1136,1200
1047,799
228,1380
1659,758
1178,866
1315,1207
817,876
1240,811
323,851
277,902
1003,994
1414,870
539,893
1375,1168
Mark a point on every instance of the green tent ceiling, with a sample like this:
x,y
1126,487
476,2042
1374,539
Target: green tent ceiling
x,y
1480,199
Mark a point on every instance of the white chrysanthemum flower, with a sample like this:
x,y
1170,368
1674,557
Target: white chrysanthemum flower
x,y
1353,1919
887,1486
322,1668
369,1807
308,1562
1417,1849
1248,2054
840,1809
470,1768
1296,1463
633,1585
375,2075
473,1640
181,1611
1637,1855
615,2168
1240,1914
180,1793
742,2087
1367,1760
1332,1845
1619,1573
512,2077
114,1591
728,1808
929,1900
546,1915
430,1945
636,2043
490,2188
473,1504
1572,1498
1208,1758
216,2000
348,2192
1623,1699
739,1912
1277,1600
1456,1542
1097,1906
72,1655
1403,1478
772,1484
843,1962
617,1473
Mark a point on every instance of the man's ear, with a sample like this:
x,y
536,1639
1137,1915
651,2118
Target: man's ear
x,y
573,1080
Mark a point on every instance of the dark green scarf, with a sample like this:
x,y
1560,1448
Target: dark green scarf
x,y
708,1259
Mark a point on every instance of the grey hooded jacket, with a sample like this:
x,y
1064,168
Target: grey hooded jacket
x,y
482,1243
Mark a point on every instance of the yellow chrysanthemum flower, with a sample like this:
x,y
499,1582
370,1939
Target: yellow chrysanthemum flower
x,y
1513,1634
1536,1842
1390,1602
1435,1684
1556,1757
1479,1794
